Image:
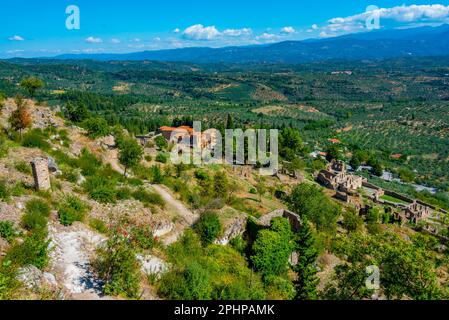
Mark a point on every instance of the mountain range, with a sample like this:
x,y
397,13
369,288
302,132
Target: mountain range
x,y
379,44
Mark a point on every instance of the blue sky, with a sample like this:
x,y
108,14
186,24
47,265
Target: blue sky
x,y
31,28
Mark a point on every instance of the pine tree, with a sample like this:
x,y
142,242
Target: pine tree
x,y
230,122
307,280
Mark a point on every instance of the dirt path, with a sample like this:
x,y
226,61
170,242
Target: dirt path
x,y
71,249
189,218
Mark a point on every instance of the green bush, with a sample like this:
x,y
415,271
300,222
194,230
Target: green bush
x,y
156,175
8,281
71,209
5,193
208,227
33,250
96,127
142,237
162,157
35,139
36,216
124,194
161,143
148,198
88,163
8,231
272,248
98,225
100,189
118,266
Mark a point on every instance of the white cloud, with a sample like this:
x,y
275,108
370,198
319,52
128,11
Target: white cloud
x,y
94,40
115,41
407,14
200,32
237,32
288,30
176,30
136,40
267,36
15,51
16,38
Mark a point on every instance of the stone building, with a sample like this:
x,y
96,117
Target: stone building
x,y
337,178
416,212
41,174
180,135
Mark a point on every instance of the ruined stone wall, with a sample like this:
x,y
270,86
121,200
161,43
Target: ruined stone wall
x,y
41,174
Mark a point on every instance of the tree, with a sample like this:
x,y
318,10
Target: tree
x,y
20,119
3,97
96,127
31,85
333,153
351,221
161,143
307,280
130,153
118,266
221,186
290,143
208,227
76,113
230,122
272,248
308,201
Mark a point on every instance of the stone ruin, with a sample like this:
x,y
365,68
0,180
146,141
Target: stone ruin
x,y
235,229
336,178
416,212
295,220
41,174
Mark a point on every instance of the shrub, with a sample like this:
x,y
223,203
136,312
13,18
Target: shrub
x,y
272,248
71,209
117,265
98,225
142,237
37,212
88,163
201,175
8,231
162,157
208,227
35,139
124,194
4,191
161,143
156,174
33,250
23,167
148,198
8,281
96,127
351,221
100,189
191,283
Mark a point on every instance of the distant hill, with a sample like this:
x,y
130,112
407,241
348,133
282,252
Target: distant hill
x,y
416,42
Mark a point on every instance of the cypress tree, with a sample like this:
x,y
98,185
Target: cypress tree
x,y
307,280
